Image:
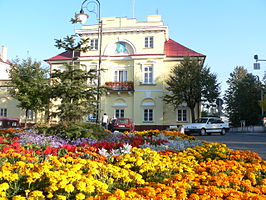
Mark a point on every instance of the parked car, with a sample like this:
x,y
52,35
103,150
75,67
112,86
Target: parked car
x,y
111,124
124,124
207,125
8,122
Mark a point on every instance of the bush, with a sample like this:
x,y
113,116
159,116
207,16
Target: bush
x,y
74,131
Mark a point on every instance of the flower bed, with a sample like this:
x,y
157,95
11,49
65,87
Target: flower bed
x,y
158,165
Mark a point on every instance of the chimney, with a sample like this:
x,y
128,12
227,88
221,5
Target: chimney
x,y
3,54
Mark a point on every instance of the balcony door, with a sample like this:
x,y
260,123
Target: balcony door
x,y
120,76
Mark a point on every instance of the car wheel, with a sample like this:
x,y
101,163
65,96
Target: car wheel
x,y
202,131
223,131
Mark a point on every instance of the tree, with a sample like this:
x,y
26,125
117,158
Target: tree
x,y
77,98
29,85
191,83
242,97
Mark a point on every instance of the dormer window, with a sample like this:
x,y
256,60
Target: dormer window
x,y
94,44
148,42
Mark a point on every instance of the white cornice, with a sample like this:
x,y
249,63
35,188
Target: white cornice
x,y
123,29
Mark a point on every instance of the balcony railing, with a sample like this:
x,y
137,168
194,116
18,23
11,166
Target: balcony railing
x,y
120,86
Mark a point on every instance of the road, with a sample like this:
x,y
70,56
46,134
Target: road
x,y
255,142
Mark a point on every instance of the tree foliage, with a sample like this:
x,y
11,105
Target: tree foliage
x,y
29,84
242,97
77,98
190,82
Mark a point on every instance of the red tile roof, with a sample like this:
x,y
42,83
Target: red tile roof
x,y
67,55
6,62
174,49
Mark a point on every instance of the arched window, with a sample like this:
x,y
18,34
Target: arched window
x,y
148,110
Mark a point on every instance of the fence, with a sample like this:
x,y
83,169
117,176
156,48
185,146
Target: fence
x,y
249,129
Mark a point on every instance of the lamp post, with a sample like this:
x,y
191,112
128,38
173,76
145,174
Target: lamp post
x,y
257,64
82,17
257,67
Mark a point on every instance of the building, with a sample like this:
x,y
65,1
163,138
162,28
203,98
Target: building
x,y
137,58
8,105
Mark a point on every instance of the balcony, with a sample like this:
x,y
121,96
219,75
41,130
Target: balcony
x,y
120,86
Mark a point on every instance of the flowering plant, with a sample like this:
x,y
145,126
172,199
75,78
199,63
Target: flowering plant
x,y
125,85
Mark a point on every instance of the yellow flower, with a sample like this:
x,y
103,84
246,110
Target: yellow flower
x,y
81,186
18,197
69,188
36,194
4,186
50,195
80,196
61,197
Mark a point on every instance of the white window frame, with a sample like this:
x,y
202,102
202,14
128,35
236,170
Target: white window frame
x,y
119,112
94,44
150,115
149,42
148,75
95,81
181,115
120,75
30,115
3,112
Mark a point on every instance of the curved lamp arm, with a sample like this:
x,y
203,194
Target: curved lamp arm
x,y
83,17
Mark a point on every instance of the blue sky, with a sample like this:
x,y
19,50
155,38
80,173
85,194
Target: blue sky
x,y
228,32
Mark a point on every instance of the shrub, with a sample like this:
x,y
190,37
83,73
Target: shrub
x,y
74,131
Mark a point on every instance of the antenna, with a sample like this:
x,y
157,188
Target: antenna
x,y
133,8
157,11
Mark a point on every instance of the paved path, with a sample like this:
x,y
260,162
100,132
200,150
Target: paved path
x,y
240,141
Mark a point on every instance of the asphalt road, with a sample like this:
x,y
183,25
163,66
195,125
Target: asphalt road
x,y
255,142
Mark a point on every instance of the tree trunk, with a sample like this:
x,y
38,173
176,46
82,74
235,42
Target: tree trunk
x,y
192,114
36,115
25,125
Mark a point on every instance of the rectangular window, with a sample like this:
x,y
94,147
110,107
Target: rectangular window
x,y
3,112
94,44
93,79
120,76
30,115
119,113
148,115
149,42
181,115
148,74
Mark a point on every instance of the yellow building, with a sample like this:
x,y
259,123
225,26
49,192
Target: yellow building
x,y
137,58
8,105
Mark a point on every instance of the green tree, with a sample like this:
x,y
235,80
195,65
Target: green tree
x,y
30,83
77,98
242,97
190,82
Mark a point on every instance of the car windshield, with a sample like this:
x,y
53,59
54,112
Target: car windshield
x,y
201,120
124,121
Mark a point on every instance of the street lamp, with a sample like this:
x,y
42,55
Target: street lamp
x,y
82,17
256,65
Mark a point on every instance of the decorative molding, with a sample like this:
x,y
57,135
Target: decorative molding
x,y
119,105
148,104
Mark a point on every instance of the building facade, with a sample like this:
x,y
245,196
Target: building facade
x,y
9,105
137,58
